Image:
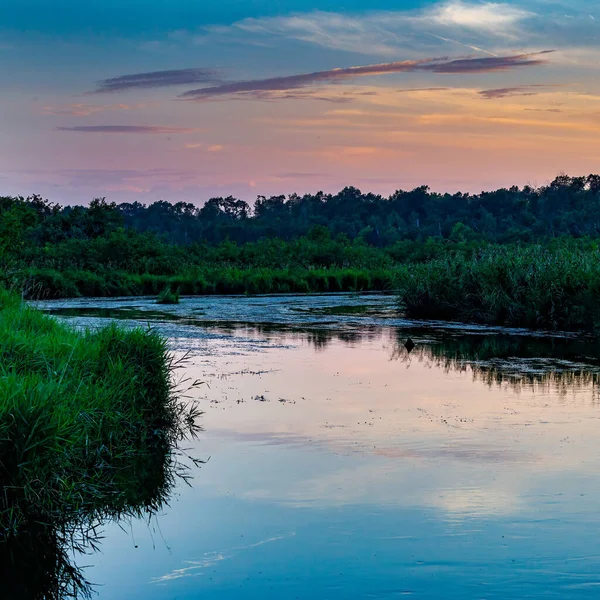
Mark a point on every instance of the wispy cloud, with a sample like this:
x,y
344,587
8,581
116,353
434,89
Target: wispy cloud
x,y
275,95
493,28
209,148
295,94
445,65
156,79
488,64
85,110
126,129
520,90
423,89
384,32
550,110
497,93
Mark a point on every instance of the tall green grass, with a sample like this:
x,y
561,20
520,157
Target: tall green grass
x,y
48,283
80,415
530,287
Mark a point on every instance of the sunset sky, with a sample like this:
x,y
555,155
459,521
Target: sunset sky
x,y
189,99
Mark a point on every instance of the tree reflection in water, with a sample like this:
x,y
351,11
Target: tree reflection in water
x,y
522,362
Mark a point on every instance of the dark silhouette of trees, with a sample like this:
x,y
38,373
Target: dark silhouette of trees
x,y
567,207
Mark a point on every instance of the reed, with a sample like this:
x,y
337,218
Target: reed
x,y
49,283
533,287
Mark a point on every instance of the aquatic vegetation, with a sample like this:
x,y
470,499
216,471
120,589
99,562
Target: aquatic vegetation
x,y
50,283
519,361
167,296
532,287
81,412
454,256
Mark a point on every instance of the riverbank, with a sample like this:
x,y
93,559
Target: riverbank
x,y
80,412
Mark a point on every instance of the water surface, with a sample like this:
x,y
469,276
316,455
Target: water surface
x,y
343,466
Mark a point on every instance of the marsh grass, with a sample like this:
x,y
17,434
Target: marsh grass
x,y
82,415
50,283
531,287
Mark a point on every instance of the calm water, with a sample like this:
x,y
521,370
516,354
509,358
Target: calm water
x,y
342,466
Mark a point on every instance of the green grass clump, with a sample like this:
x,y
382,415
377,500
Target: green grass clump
x,y
167,296
81,414
532,287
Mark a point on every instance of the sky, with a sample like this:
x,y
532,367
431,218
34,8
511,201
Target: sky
x,y
184,100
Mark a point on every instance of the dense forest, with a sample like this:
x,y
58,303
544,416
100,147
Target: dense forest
x,y
567,206
490,245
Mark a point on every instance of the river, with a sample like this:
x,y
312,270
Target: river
x,y
340,465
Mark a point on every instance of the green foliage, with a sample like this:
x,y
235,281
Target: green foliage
x,y
80,412
168,297
348,241
568,206
207,281
532,287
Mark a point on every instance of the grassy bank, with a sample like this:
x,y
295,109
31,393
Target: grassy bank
x,y
80,415
50,283
531,287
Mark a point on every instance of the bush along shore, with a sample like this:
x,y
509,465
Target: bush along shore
x,y
82,415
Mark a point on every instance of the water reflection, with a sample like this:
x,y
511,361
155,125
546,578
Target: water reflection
x,y
344,466
37,565
521,362
38,561
493,356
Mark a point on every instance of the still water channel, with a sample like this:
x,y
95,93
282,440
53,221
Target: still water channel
x,y
342,466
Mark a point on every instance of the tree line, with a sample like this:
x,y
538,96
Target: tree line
x,y
568,206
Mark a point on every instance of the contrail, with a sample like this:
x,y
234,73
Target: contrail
x,y
476,48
